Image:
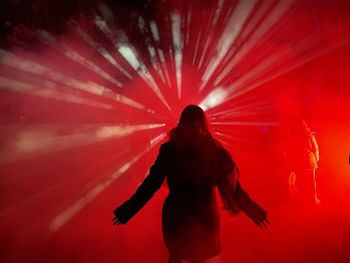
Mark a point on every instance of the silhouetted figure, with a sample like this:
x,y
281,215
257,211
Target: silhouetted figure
x,y
194,164
302,155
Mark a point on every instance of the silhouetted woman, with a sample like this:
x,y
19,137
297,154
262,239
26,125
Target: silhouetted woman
x,y
194,164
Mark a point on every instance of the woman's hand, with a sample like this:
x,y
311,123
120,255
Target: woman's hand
x,y
116,221
264,223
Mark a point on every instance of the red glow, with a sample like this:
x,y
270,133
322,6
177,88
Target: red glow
x,y
83,113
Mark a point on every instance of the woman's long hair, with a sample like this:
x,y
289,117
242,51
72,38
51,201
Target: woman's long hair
x,y
192,126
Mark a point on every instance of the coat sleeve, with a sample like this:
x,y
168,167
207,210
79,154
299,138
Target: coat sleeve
x,y
233,194
146,190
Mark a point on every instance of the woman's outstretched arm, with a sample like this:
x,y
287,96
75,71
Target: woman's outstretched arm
x,y
235,197
252,209
145,191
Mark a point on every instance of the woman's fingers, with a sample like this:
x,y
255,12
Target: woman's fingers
x,y
115,221
264,223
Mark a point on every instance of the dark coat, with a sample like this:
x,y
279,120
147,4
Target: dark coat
x,y
190,212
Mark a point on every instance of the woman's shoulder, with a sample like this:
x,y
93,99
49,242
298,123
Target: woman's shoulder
x,y
166,147
220,148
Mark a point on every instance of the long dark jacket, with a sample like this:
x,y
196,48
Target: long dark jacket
x,y
190,212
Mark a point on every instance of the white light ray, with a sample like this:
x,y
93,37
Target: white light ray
x,y
239,86
155,34
276,14
246,83
129,53
105,11
311,55
242,113
155,64
177,42
26,65
117,130
119,40
239,111
141,23
49,90
204,52
189,18
90,65
70,212
68,181
43,140
245,123
162,60
195,53
263,11
102,51
212,32
228,37
218,11
154,30
75,56
161,55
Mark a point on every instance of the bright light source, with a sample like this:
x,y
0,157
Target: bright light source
x,y
214,98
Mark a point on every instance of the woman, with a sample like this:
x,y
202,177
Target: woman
x,y
194,164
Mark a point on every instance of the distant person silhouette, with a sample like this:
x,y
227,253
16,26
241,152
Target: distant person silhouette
x,y
194,164
302,156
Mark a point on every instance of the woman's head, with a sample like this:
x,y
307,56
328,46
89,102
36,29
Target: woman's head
x,y
192,124
193,115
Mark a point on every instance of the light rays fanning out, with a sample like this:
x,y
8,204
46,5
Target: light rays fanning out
x,y
118,79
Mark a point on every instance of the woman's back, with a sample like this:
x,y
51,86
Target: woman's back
x,y
192,167
190,212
